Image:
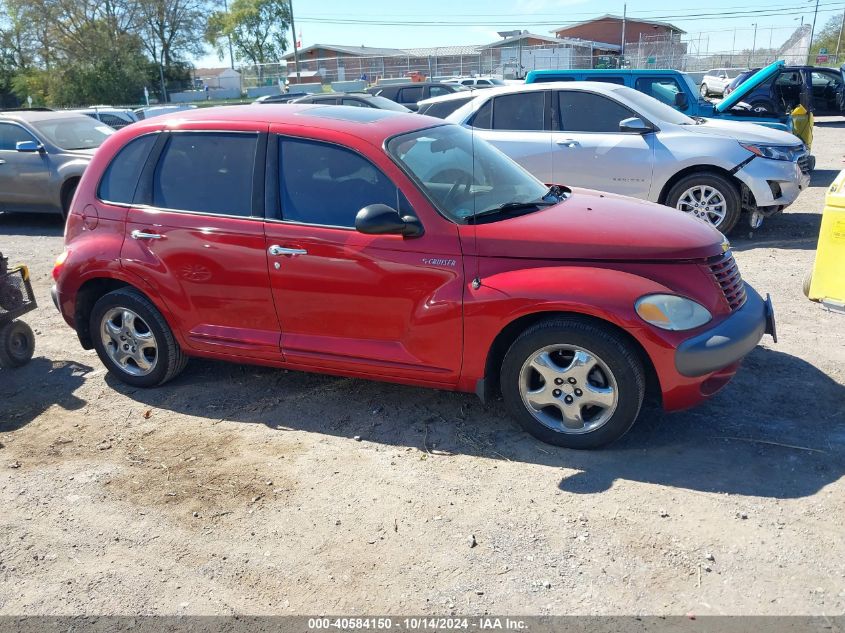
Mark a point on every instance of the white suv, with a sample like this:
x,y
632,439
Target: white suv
x,y
612,138
715,81
476,82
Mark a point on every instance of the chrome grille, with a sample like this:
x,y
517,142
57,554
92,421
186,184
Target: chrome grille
x,y
726,274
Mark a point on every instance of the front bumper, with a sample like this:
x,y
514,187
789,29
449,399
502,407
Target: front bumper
x,y
54,295
773,182
729,341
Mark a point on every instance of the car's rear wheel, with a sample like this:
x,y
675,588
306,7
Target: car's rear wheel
x,y
708,196
704,90
17,344
573,383
762,106
133,340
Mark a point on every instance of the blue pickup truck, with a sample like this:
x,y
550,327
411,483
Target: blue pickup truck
x,y
678,90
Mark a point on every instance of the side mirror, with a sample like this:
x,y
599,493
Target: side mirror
x,y
29,146
635,125
681,101
380,219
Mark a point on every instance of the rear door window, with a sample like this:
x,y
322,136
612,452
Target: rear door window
x,y
608,79
439,91
523,111
121,177
206,172
411,95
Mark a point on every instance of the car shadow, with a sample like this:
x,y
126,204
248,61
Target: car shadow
x,y
755,438
26,392
823,177
794,231
829,123
31,224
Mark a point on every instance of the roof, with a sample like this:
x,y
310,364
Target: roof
x,y
40,115
211,72
443,51
513,39
618,18
367,123
356,51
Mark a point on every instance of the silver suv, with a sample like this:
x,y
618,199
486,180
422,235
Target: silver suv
x,y
42,156
612,138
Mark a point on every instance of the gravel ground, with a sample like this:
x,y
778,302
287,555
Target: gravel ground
x,y
237,489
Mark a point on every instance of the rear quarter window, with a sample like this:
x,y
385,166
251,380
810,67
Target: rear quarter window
x,y
120,179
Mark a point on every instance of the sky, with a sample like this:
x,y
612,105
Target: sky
x,y
714,26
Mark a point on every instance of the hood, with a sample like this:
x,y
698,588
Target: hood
x,y
743,131
592,225
747,86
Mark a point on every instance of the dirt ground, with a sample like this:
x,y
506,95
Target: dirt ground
x,y
237,489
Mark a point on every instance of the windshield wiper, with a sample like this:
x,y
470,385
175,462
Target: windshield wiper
x,y
510,206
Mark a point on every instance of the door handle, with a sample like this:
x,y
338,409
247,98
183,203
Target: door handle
x,y
568,143
277,250
141,235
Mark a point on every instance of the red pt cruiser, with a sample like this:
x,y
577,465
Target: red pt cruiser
x,y
390,246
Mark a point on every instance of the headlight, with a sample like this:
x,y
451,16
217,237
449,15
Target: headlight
x,y
775,152
670,312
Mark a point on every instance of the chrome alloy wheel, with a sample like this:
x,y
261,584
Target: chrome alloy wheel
x,y
704,202
129,342
568,389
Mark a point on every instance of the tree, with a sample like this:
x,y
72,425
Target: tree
x,y
172,29
828,37
256,27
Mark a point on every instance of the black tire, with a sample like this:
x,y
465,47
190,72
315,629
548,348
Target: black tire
x,y
603,343
67,198
17,344
762,106
703,91
727,188
170,360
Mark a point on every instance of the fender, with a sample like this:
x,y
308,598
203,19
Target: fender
x,y
602,293
73,168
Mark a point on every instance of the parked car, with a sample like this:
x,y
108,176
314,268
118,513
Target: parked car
x,y
780,88
672,87
116,118
43,154
367,243
148,112
745,74
355,99
409,94
476,82
441,107
616,139
286,97
715,81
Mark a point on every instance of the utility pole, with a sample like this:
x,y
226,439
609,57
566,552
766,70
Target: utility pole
x,y
812,32
753,45
295,48
624,16
839,41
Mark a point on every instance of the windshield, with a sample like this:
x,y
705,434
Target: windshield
x,y
74,132
462,173
652,109
386,104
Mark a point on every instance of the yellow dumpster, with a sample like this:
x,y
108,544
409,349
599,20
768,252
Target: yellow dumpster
x,y
827,283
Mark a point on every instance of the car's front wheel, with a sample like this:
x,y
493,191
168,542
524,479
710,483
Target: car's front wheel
x,y
133,340
704,91
573,383
708,196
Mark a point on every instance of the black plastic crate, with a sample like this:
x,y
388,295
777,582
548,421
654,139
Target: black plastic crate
x,y
16,296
